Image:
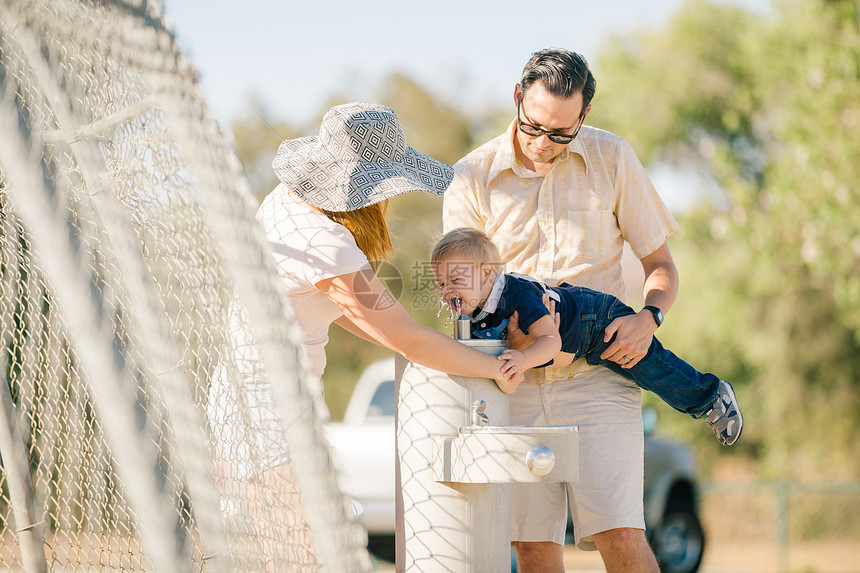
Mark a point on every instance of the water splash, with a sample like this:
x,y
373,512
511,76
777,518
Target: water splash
x,y
453,311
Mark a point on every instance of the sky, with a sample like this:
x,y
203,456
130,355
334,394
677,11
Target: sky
x,y
292,54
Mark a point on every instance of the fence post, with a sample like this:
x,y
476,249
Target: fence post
x,y
782,541
17,466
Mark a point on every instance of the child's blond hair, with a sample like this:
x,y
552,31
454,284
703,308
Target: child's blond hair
x,y
465,244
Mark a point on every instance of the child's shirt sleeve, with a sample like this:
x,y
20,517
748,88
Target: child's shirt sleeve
x,y
528,302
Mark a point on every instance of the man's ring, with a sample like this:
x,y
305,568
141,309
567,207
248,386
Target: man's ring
x,y
625,360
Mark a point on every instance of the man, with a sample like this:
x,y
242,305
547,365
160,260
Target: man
x,y
559,199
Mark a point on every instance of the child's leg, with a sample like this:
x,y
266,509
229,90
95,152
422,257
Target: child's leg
x,y
673,380
660,371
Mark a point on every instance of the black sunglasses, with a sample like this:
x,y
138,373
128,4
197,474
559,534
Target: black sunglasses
x,y
535,131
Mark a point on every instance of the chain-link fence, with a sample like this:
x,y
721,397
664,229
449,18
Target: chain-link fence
x,y
155,407
768,526
781,526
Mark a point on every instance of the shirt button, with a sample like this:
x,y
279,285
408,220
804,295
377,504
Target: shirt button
x,y
483,325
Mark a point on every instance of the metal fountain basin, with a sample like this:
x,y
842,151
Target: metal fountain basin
x,y
507,454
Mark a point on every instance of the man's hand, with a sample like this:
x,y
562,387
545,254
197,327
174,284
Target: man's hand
x,y
633,334
517,339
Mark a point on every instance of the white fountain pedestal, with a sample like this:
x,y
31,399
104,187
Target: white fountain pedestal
x,y
455,473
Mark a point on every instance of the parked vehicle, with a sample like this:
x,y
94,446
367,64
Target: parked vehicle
x,y
671,502
363,448
363,451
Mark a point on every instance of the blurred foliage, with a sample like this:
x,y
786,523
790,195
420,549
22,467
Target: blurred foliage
x,y
767,107
257,136
431,126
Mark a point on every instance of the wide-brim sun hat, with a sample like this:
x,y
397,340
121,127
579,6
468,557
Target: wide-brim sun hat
x,y
359,158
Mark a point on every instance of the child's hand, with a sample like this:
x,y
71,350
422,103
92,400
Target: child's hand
x,y
515,361
513,370
510,377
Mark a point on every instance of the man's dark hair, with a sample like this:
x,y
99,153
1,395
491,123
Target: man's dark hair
x,y
562,73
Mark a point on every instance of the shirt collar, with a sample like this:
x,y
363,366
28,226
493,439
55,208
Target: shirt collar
x,y
505,158
493,300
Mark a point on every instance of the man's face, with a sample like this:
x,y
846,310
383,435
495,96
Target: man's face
x,y
543,110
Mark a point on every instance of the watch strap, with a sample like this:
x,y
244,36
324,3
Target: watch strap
x,y
656,312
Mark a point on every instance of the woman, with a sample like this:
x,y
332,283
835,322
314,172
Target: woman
x,y
326,222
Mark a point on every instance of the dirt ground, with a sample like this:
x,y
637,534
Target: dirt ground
x,y
735,557
825,557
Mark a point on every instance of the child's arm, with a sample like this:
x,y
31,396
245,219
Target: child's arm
x,y
547,343
517,339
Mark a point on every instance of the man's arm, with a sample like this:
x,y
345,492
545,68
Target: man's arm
x,y
633,333
661,279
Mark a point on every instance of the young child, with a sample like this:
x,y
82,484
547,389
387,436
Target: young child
x,y
465,265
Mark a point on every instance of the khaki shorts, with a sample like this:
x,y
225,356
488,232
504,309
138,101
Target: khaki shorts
x,y
608,494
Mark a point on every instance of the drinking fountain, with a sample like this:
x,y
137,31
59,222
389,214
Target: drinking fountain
x,y
458,456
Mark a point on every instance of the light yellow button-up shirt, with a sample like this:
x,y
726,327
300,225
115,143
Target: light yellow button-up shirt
x,y
568,224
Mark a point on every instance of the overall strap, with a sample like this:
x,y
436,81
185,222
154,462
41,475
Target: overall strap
x,y
552,294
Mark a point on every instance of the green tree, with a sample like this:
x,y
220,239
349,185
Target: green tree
x,y
257,135
430,124
767,106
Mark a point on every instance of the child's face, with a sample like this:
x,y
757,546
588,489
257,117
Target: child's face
x,y
464,285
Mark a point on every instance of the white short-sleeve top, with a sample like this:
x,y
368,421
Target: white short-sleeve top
x,y
308,247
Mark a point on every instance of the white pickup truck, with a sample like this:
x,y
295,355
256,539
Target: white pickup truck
x,y
363,450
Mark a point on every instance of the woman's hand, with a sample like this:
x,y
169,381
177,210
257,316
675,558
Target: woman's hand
x,y
510,376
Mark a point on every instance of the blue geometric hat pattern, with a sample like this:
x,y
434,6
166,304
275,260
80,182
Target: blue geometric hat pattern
x,y
359,158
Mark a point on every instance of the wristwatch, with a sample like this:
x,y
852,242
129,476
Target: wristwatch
x,y
658,314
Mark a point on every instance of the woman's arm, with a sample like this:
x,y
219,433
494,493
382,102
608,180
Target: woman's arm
x,y
384,321
347,325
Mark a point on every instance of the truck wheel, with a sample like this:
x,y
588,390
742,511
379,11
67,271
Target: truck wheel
x,y
382,546
679,542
